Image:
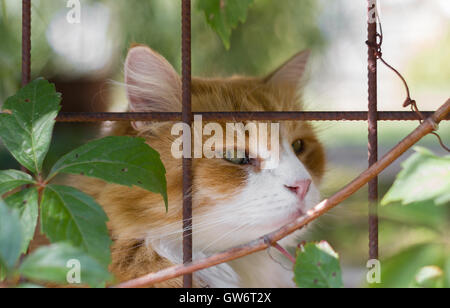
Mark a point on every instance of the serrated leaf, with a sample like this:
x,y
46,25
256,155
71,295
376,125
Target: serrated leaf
x,y
224,15
25,202
51,264
10,237
27,124
122,160
69,215
12,179
317,266
425,177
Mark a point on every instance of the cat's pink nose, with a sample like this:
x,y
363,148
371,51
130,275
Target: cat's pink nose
x,y
300,188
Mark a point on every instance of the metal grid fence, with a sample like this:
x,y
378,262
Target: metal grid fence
x,y
372,117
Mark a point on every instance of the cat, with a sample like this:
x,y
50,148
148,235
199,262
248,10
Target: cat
x,y
234,201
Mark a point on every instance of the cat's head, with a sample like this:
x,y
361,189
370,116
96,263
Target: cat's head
x,y
234,200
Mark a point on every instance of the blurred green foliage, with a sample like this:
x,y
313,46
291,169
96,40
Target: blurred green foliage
x,y
436,73
419,196
271,34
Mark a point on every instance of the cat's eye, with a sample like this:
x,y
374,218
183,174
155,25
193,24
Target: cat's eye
x,y
298,146
237,158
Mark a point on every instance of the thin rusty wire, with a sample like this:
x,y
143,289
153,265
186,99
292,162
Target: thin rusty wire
x,y
376,48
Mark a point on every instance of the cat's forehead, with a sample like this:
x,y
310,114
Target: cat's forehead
x,y
242,94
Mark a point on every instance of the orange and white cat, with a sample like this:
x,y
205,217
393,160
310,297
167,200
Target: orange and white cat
x,y
234,200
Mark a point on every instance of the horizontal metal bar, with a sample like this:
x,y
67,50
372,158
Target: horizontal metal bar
x,y
240,116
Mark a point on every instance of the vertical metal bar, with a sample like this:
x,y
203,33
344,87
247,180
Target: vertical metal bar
x,y
187,118
26,46
26,42
373,129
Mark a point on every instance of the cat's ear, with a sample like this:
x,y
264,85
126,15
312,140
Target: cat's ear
x,y
291,72
152,84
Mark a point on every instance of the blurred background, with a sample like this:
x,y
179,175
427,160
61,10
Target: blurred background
x,y
85,61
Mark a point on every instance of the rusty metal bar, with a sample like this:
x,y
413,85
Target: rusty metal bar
x,y
26,47
239,116
187,119
26,42
373,128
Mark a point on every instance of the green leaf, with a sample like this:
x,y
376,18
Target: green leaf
x,y
12,179
25,202
10,237
417,214
425,177
122,160
317,266
26,128
224,15
399,271
51,264
69,215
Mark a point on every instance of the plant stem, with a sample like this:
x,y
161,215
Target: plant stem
x,y
284,252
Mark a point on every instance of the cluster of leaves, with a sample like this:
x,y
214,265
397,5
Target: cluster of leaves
x,y
420,197
73,222
224,15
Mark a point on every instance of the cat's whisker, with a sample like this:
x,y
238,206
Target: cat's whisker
x,y
196,227
224,236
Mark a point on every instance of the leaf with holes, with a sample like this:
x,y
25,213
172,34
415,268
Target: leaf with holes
x,y
317,266
11,238
27,123
25,202
224,15
122,160
68,215
425,177
12,179
53,264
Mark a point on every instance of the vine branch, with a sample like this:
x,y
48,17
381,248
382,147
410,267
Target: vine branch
x,y
428,126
